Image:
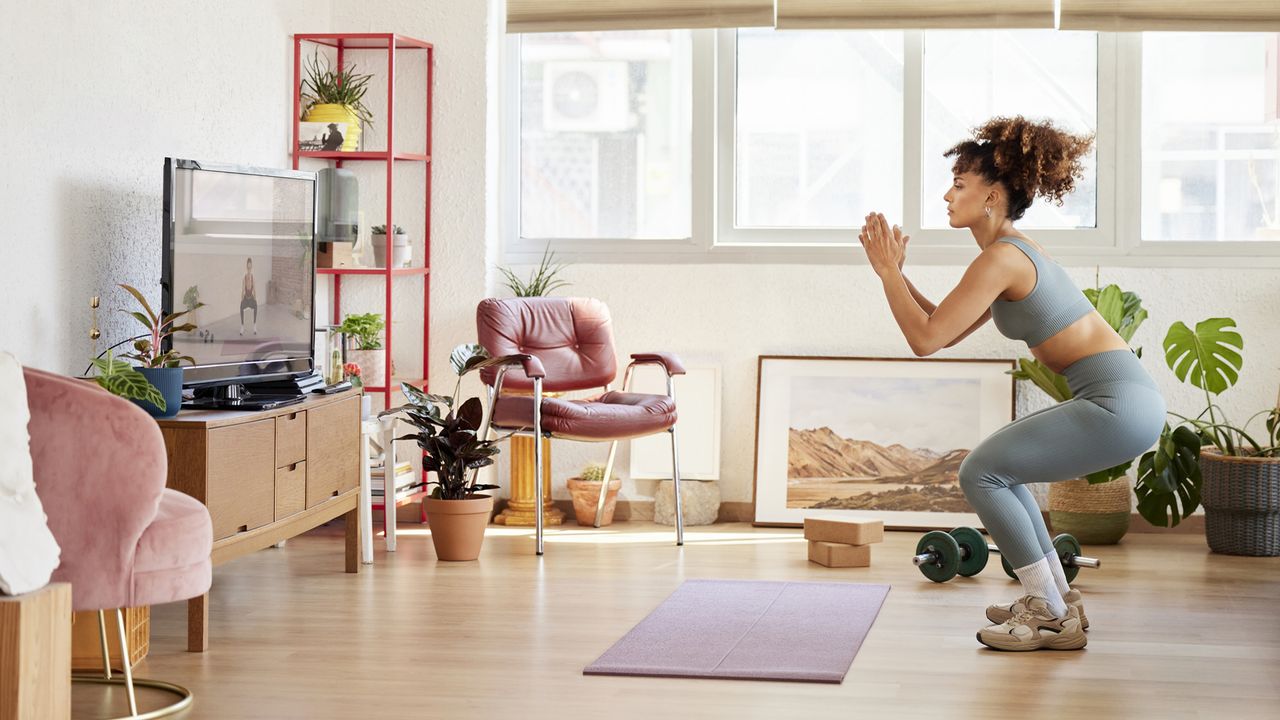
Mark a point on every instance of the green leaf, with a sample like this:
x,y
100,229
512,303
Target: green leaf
x,y
1053,384
132,385
1168,487
1207,357
464,354
1109,474
143,302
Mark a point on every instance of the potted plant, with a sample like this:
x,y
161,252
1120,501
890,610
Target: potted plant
x,y
585,490
122,379
457,511
1207,459
160,368
402,253
541,281
335,96
1095,509
368,353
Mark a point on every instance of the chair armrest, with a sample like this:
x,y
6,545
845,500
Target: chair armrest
x,y
532,365
669,361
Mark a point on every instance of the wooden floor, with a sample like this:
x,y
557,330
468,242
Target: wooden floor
x,y
1176,633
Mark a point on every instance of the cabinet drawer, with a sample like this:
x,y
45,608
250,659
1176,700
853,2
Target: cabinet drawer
x,y
291,438
291,489
242,477
333,450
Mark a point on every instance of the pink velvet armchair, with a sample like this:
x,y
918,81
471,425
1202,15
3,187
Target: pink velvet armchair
x,y
566,344
100,466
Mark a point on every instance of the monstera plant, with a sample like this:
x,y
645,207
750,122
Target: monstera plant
x,y
1170,477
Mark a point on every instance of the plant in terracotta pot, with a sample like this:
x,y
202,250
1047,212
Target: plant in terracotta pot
x,y
335,96
447,431
585,490
1206,459
159,367
362,331
1095,509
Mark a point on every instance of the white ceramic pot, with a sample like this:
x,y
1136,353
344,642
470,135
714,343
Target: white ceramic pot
x,y
401,251
372,366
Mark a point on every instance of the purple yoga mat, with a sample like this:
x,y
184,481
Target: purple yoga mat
x,y
749,630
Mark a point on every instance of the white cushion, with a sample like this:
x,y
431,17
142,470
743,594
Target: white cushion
x,y
28,552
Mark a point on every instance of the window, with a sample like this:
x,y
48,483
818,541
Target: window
x,y
1210,137
972,76
813,149
605,135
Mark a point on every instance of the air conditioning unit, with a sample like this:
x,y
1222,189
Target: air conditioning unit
x,y
586,96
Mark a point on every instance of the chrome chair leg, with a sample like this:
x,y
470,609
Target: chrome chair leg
x,y
675,468
184,695
604,485
675,486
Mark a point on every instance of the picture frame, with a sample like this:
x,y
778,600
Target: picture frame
x,y
872,438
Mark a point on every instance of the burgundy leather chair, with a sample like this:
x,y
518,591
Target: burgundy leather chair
x,y
566,345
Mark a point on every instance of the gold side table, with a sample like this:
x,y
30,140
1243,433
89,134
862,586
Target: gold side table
x,y
520,509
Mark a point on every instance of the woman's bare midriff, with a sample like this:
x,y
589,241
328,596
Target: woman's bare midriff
x,y
1087,336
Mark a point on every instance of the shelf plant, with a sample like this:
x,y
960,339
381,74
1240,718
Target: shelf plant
x,y
363,330
335,95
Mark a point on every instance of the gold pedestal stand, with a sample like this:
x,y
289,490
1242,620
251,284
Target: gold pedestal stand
x,y
520,510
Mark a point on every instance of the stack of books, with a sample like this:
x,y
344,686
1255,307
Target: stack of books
x,y
406,481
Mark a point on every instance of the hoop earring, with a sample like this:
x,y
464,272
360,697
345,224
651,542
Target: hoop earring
x,y
988,212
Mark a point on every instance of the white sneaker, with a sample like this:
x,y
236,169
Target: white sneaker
x,y
1000,613
1034,627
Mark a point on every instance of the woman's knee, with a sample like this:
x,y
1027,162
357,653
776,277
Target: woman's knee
x,y
975,474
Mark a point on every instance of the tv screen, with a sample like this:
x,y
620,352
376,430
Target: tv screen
x,y
239,240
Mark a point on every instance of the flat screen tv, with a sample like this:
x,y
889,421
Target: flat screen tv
x,y
239,239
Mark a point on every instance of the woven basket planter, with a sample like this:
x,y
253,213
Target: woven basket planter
x,y
1095,514
1241,498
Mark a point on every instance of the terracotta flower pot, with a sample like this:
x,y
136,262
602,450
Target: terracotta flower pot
x,y
457,526
586,495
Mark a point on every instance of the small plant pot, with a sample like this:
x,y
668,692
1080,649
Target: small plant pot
x,y
457,526
169,382
334,113
401,251
372,366
586,496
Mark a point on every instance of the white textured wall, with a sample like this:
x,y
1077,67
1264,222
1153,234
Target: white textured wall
x,y
96,94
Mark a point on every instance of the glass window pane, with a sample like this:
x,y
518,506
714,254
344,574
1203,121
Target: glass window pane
x,y
818,128
1210,137
605,135
972,76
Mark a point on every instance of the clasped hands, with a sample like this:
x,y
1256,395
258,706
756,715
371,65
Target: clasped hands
x,y
886,246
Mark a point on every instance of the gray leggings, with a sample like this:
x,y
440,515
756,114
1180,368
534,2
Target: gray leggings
x,y
1116,414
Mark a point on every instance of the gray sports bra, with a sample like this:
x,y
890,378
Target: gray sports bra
x,y
1054,303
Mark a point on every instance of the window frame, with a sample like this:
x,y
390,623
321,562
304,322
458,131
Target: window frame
x,y
1115,241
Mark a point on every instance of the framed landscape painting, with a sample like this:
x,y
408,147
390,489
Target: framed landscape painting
x,y
873,438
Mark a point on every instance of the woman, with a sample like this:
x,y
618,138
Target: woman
x,y
1116,413
248,296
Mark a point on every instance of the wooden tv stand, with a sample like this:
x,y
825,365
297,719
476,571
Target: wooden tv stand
x,y
267,476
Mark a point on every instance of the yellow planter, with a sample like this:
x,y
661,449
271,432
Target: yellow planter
x,y
329,113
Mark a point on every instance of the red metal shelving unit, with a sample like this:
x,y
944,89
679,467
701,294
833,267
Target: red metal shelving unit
x,y
395,46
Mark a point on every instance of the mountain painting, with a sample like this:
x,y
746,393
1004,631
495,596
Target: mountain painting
x,y
880,443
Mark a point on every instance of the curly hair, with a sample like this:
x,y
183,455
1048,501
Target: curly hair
x,y
1028,158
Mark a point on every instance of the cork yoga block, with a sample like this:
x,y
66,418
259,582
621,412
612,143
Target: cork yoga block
x,y
839,555
846,532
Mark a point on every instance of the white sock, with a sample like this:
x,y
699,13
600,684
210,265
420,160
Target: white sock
x,y
1037,580
1059,576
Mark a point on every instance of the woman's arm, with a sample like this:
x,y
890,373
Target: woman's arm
x,y
962,311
